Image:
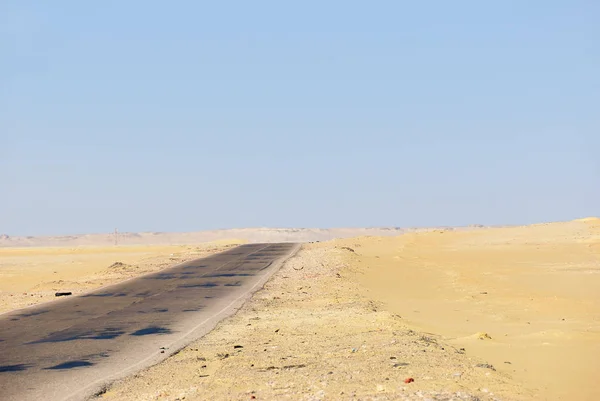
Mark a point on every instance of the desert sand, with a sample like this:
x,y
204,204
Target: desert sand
x,y
29,276
34,268
159,238
312,334
500,313
526,299
508,313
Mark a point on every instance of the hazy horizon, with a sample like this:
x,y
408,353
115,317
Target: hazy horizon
x,y
110,233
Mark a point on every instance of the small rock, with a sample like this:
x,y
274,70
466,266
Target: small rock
x,y
117,265
485,366
483,336
409,380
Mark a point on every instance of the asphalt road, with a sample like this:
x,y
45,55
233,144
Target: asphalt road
x,y
70,349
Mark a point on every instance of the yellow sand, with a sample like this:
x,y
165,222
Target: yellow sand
x,y
526,299
501,294
312,334
32,275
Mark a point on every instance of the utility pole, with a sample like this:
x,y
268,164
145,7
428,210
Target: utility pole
x,y
116,237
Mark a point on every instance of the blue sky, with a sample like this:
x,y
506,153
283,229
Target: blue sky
x,y
187,115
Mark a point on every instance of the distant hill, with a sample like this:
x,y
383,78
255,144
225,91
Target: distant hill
x,y
161,238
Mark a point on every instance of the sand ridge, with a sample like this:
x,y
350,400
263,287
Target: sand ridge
x,y
240,235
534,290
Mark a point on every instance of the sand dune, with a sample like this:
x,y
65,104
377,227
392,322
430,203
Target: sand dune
x,y
534,290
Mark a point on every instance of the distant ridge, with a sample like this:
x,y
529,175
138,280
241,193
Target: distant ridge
x,y
162,238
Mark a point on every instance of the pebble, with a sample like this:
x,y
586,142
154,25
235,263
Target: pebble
x,y
485,366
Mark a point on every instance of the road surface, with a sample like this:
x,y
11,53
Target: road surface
x,y
71,348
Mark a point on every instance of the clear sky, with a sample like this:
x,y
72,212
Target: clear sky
x,y
192,115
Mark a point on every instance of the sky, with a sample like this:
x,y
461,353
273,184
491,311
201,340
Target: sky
x,y
193,115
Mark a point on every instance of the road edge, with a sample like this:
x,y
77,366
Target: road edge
x,y
98,387
91,290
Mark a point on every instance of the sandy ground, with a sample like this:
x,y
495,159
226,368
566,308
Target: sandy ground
x,y
526,299
485,314
312,333
32,275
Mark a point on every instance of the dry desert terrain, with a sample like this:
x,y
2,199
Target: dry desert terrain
x,y
31,275
509,313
